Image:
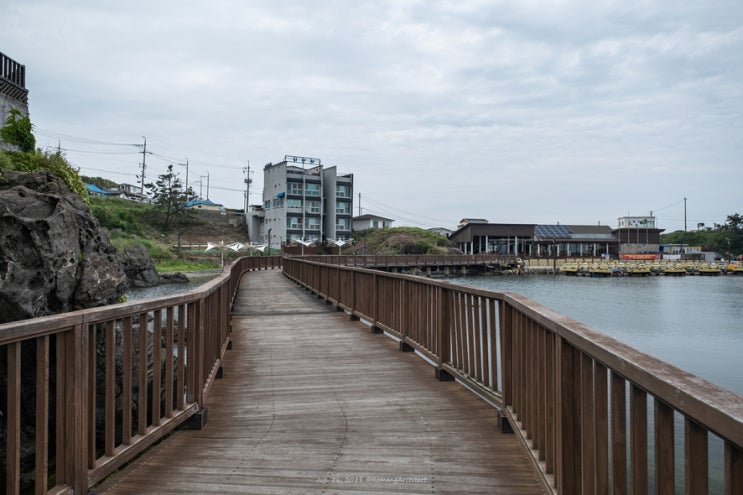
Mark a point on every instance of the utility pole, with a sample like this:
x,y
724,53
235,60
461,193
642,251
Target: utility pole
x,y
248,180
144,155
359,204
201,184
684,214
186,165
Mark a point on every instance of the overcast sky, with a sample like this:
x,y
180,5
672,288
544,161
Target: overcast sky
x,y
528,111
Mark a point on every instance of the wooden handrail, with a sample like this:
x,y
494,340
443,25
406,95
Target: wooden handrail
x,y
579,400
408,260
96,389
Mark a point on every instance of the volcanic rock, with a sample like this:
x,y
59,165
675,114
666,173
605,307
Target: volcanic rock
x,y
54,257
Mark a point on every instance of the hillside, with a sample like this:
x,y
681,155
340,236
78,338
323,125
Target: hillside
x,y
400,240
130,222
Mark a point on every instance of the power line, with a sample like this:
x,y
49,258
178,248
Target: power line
x,y
420,220
226,189
100,152
107,171
77,139
670,206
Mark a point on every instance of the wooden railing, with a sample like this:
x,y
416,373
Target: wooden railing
x,y
411,260
87,391
582,403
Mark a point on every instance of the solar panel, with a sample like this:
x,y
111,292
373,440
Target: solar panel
x,y
592,236
552,231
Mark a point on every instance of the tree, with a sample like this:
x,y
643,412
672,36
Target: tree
x,y
734,222
170,198
726,238
17,131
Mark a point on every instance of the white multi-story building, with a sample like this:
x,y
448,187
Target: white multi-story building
x,y
302,200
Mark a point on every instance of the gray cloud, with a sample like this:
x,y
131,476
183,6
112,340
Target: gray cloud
x,y
524,111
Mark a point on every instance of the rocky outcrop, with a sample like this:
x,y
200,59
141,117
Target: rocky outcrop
x,y
139,267
54,257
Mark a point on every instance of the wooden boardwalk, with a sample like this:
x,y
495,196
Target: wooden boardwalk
x,y
312,403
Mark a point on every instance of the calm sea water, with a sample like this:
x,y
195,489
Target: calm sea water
x,y
163,290
694,323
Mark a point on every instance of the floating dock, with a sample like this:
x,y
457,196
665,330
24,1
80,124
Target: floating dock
x,y
623,268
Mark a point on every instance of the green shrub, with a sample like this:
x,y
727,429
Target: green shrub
x,y
54,163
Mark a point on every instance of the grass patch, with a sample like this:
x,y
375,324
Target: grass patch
x,y
118,214
158,251
185,266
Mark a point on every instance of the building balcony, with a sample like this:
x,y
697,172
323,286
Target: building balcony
x,y
13,79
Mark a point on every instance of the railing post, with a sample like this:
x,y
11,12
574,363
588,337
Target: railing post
x,y
73,397
13,467
567,422
506,349
42,413
402,312
443,335
375,305
733,469
195,359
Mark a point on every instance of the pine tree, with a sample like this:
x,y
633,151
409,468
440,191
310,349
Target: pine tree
x,y
170,197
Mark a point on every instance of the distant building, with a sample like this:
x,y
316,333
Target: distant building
x,y
441,231
131,192
466,221
535,240
302,200
365,222
94,190
637,236
204,204
13,92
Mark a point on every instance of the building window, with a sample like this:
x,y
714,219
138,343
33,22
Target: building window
x,y
343,208
375,224
295,188
342,224
312,223
343,190
267,205
278,202
294,223
312,189
293,203
314,207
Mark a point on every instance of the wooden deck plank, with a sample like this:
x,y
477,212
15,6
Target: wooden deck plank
x,y
314,403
